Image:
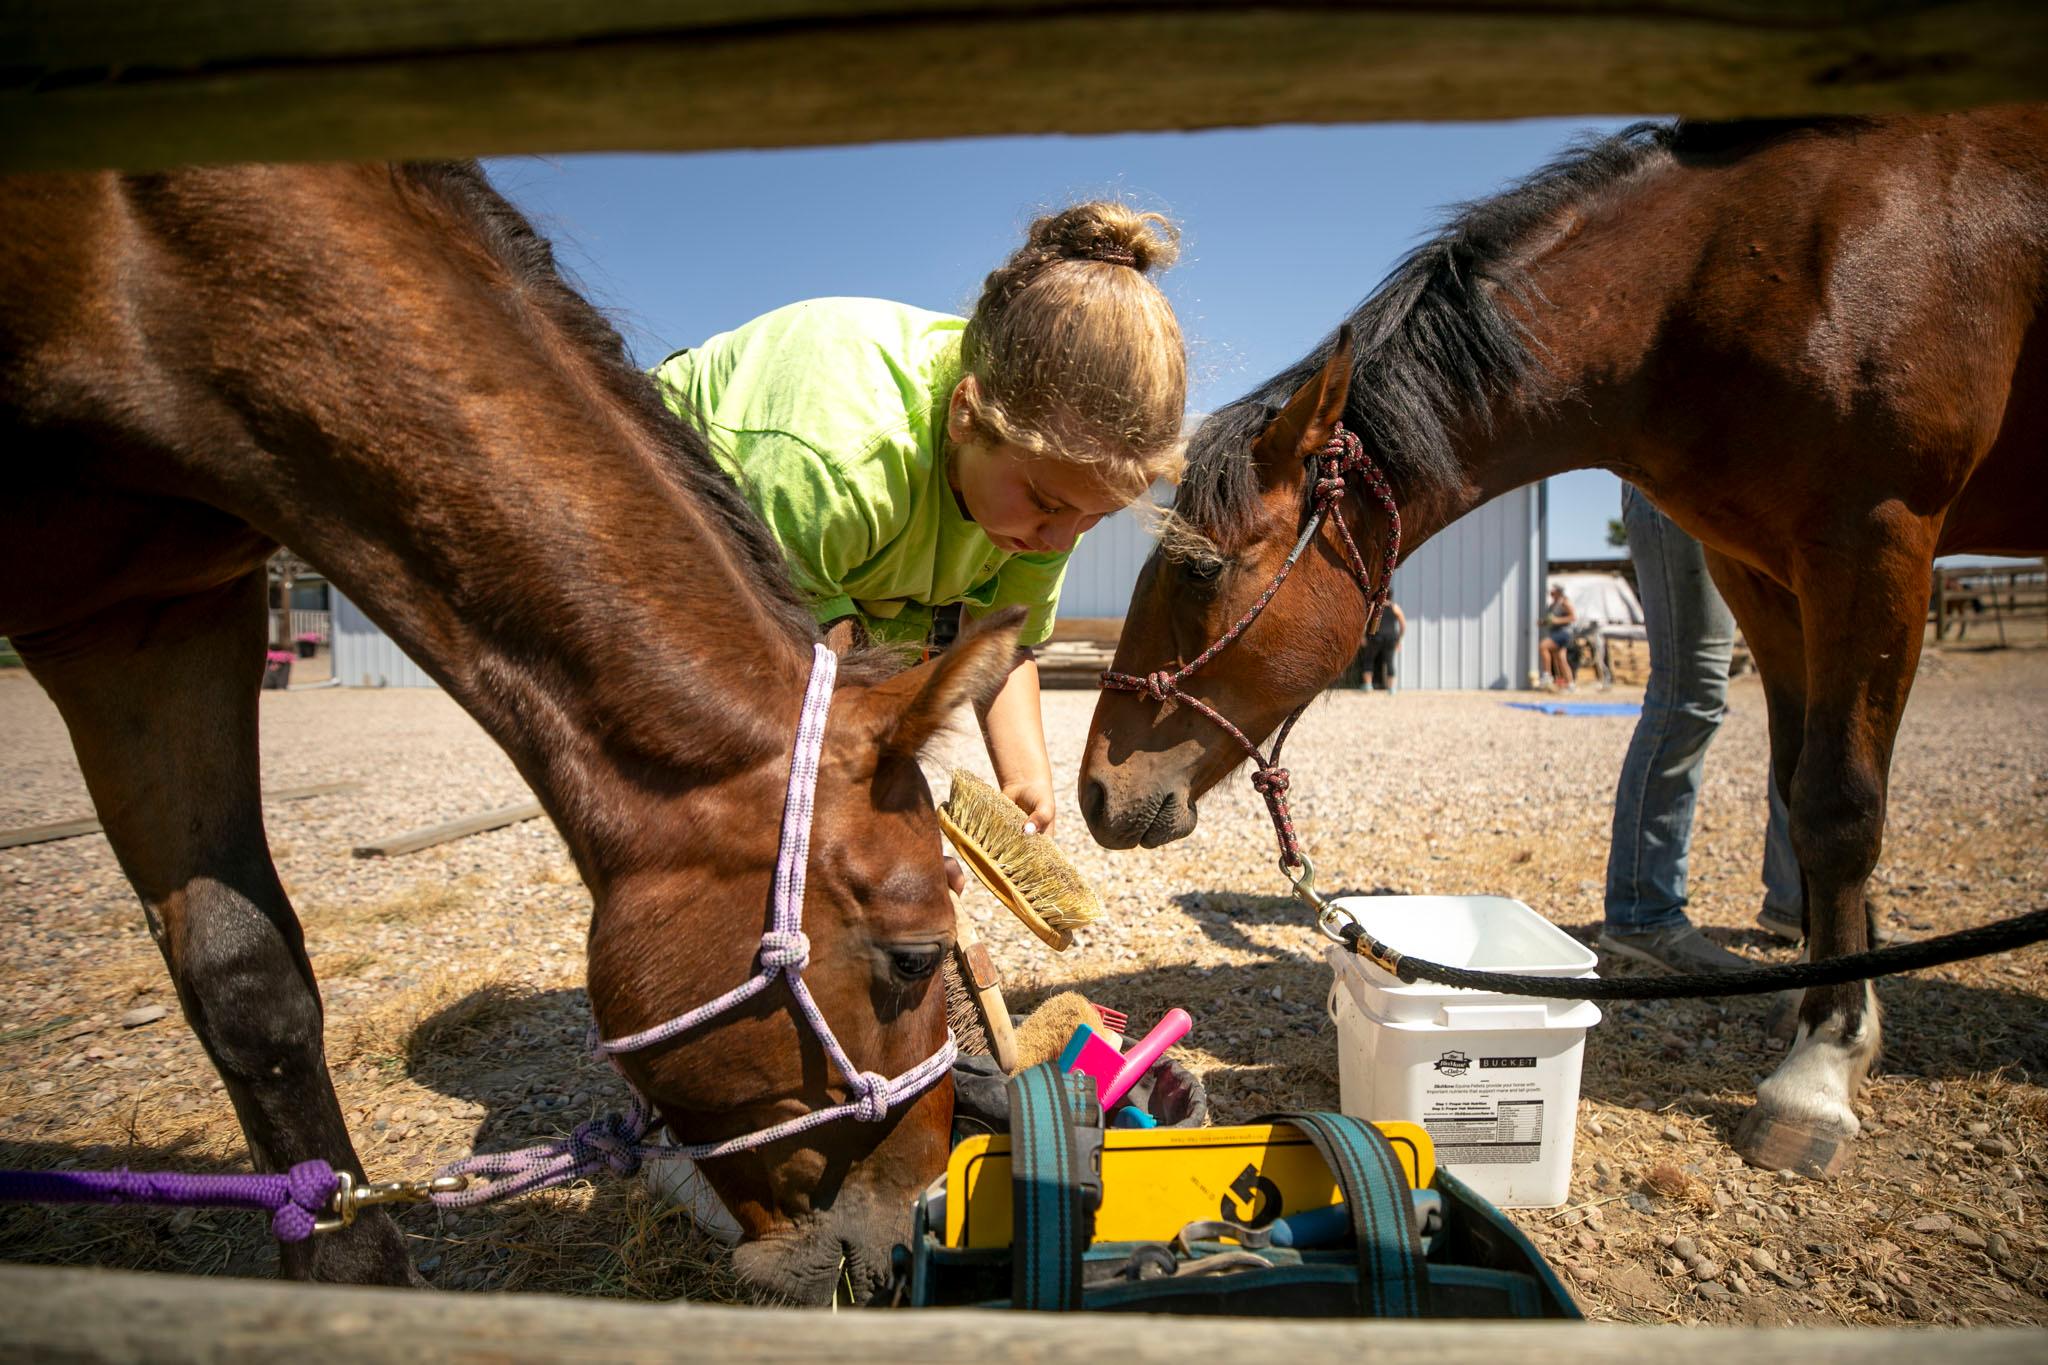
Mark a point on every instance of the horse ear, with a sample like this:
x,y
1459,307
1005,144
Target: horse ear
x,y
917,703
844,635
1304,426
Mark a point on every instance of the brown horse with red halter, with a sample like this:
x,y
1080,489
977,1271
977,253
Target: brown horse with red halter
x,y
1819,347
381,367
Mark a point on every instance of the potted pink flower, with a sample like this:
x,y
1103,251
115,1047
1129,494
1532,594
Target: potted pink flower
x,y
277,669
308,643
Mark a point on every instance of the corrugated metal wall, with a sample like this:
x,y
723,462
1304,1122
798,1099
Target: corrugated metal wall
x,y
1104,566
1472,596
365,656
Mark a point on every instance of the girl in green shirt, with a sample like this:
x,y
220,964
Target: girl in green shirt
x,y
905,460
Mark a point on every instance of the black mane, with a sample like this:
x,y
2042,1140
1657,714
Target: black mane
x,y
1435,341
512,241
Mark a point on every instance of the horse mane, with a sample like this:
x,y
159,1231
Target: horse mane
x,y
511,242
1443,334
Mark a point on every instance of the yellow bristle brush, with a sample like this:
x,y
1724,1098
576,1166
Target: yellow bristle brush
x,y
1023,871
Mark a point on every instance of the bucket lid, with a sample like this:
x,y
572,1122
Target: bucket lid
x,y
1481,933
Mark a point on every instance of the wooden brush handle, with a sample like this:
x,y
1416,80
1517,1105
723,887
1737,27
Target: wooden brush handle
x,y
978,973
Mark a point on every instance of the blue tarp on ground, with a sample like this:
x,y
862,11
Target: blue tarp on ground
x,y
1580,708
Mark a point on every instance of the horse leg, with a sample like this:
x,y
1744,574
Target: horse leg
x,y
161,701
1769,617
1863,617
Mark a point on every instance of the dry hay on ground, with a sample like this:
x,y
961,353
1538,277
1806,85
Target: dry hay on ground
x,y
456,1017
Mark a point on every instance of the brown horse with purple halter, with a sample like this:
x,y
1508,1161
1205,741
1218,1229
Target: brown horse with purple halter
x,y
381,367
1820,347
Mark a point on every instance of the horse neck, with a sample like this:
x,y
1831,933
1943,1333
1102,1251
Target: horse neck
x,y
1580,407
489,492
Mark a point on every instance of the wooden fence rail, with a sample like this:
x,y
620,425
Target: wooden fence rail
x,y
139,84
109,1315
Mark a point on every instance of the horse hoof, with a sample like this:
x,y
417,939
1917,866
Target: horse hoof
x,y
1781,1144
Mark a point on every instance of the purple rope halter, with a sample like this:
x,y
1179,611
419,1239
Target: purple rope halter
x,y
620,1142
1343,455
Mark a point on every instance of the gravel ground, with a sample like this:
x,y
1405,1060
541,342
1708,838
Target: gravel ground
x,y
453,985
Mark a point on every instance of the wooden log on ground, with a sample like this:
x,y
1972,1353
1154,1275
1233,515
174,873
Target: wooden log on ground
x,y
413,840
1100,630
72,829
137,84
1073,663
108,1315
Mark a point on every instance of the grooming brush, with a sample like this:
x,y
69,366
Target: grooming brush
x,y
1023,871
974,997
1114,1021
1139,1059
1041,1036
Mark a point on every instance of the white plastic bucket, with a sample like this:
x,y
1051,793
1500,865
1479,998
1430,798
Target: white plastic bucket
x,y
678,1181
1493,1078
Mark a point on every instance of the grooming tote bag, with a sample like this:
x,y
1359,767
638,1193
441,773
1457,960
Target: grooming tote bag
x,y
1398,1238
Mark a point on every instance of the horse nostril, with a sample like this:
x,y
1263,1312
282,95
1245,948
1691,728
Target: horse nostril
x,y
1094,801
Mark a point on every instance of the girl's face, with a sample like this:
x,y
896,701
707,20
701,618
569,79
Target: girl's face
x,y
1024,503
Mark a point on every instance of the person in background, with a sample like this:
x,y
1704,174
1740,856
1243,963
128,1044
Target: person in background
x,y
1557,636
905,460
1691,637
1377,664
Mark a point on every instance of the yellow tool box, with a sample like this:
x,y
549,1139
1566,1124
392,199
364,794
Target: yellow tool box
x,y
1157,1181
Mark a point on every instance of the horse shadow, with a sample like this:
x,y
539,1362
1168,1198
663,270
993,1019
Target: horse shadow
x,y
522,1056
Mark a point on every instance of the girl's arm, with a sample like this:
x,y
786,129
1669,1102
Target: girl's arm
x,y
1015,731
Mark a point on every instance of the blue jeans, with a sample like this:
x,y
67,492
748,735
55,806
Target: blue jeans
x,y
1691,636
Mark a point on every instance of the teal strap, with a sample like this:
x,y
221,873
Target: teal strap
x,y
1050,1219
1393,1281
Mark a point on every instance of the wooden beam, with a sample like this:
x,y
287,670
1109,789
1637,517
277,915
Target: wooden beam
x,y
138,84
71,829
108,1315
412,841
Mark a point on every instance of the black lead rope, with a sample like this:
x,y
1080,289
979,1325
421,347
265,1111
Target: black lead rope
x,y
1905,957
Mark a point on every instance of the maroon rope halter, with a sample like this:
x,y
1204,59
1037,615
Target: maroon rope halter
x,y
1340,457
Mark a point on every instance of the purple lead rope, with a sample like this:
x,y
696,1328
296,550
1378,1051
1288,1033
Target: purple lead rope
x,y
295,1201
619,1142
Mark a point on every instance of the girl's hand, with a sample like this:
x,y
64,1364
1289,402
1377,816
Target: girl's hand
x,y
1036,799
956,880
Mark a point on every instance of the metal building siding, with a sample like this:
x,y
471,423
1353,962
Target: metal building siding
x,y
365,656
1471,598
1104,567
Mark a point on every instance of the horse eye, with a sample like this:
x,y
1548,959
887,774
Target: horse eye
x,y
1202,570
914,964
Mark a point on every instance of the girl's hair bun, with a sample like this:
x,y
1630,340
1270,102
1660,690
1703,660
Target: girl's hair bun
x,y
1115,234
1082,362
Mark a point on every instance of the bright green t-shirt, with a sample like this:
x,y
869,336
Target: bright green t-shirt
x,y
830,416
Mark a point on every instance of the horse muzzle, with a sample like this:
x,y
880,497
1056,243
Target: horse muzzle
x,y
1145,819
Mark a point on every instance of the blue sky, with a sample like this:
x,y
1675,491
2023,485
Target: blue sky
x,y
1285,229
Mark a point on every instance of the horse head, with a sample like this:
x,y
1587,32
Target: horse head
x,y
1240,511
826,1204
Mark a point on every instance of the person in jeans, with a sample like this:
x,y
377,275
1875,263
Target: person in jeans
x,y
1691,637
1558,619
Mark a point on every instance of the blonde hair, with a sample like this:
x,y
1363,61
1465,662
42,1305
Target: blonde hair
x,y
1075,352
